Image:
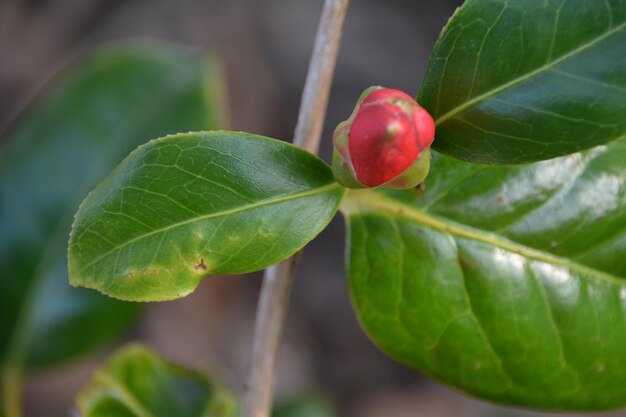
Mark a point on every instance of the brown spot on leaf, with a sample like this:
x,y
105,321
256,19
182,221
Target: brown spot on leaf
x,y
201,265
153,271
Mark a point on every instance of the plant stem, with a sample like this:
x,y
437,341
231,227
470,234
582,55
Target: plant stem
x,y
320,75
277,280
12,390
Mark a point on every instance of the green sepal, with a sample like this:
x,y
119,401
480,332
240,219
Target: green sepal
x,y
343,173
414,175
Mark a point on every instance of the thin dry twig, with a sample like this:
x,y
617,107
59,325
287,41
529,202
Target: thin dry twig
x,y
278,279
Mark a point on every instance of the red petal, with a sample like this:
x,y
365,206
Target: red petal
x,y
387,94
376,156
424,128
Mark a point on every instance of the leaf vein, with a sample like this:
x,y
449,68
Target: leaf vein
x,y
251,206
458,109
373,202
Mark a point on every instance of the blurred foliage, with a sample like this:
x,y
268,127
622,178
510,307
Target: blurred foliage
x,y
306,406
138,383
99,109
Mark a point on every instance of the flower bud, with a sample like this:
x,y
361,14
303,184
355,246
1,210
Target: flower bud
x,y
385,142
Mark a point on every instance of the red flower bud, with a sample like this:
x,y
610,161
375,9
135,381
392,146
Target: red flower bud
x,y
385,142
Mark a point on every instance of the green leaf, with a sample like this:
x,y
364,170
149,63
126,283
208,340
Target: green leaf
x,y
506,282
101,108
138,383
185,206
306,406
528,80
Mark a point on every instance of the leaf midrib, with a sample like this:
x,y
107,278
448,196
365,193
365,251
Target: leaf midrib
x,y
369,201
452,113
261,203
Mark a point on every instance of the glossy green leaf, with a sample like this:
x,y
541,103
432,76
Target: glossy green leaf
x,y
186,206
138,383
512,81
91,117
506,282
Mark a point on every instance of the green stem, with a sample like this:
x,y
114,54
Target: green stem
x,y
12,382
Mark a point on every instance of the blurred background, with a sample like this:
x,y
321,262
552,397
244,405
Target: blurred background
x,y
264,47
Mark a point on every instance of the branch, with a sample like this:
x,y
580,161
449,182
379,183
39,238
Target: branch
x,y
277,280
